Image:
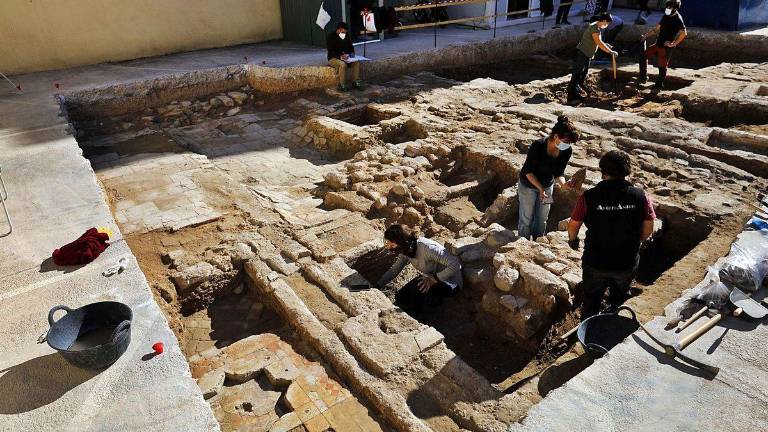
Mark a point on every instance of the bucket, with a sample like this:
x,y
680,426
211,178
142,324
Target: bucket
x,y
93,336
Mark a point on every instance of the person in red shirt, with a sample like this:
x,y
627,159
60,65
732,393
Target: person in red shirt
x,y
619,217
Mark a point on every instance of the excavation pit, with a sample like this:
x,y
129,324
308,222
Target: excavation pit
x,y
285,203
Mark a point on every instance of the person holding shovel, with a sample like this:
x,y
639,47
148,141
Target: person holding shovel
x,y
340,50
585,52
672,32
619,217
440,271
544,165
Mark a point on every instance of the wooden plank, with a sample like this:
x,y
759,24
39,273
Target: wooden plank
x,y
455,21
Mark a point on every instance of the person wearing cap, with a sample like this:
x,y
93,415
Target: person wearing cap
x,y
544,166
340,49
585,52
440,271
672,32
618,217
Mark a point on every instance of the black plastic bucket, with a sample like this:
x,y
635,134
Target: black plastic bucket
x,y
93,336
600,333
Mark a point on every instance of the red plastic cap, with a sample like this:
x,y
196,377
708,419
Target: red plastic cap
x,y
158,348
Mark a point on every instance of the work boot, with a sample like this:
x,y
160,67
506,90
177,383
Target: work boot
x,y
566,22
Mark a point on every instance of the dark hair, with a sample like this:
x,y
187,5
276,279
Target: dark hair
x,y
565,129
674,4
605,16
404,238
342,25
615,164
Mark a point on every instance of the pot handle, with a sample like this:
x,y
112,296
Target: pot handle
x,y
120,327
55,309
634,317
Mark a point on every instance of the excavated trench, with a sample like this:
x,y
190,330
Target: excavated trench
x,y
458,198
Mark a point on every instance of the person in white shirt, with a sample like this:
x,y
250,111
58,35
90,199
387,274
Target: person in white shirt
x,y
440,270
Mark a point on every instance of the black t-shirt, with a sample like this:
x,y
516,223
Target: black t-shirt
x,y
336,46
670,27
542,165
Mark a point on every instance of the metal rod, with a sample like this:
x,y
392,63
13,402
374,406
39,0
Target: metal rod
x,y
495,17
15,86
5,209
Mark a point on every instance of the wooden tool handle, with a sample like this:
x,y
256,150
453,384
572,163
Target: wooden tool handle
x,y
613,59
684,342
694,317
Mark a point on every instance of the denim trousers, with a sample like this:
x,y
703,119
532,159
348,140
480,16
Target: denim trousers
x,y
532,222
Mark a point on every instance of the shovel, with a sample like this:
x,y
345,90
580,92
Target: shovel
x,y
615,80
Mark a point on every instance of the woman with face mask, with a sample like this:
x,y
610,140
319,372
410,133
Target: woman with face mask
x,y
585,52
672,32
544,166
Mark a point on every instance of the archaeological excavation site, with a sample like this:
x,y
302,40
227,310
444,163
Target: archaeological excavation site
x,y
255,200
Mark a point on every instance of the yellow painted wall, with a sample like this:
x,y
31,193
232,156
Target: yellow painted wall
x,y
40,35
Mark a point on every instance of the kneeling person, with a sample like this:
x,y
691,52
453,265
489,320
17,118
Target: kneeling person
x,y
619,217
440,270
340,48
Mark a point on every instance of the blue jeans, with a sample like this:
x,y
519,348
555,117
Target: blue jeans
x,y
533,213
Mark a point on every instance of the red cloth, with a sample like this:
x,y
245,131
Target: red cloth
x,y
83,250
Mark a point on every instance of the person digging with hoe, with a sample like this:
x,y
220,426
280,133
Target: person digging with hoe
x,y
585,52
340,50
619,217
440,271
672,32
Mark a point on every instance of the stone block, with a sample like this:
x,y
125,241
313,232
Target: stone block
x,y
544,255
348,200
478,276
513,303
193,275
540,283
506,278
210,384
281,373
563,224
572,279
555,267
335,180
286,423
428,338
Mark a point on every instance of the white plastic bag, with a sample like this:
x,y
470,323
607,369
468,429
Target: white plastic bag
x,y
747,264
323,17
713,293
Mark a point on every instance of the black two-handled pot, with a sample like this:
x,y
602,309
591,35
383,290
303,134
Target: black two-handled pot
x,y
93,336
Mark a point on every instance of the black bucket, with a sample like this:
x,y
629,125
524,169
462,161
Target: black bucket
x,y
93,336
600,333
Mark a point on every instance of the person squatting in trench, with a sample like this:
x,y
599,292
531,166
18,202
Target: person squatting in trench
x,y
440,271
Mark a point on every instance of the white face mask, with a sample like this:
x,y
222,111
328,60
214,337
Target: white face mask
x,y
563,146
667,11
342,35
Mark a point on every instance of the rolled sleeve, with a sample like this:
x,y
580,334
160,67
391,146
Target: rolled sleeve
x,y
580,210
650,213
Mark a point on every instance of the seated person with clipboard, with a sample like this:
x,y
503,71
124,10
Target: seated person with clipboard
x,y
341,56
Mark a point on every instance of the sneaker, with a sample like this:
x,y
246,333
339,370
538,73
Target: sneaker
x,y
659,85
642,79
342,88
357,85
556,26
566,22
